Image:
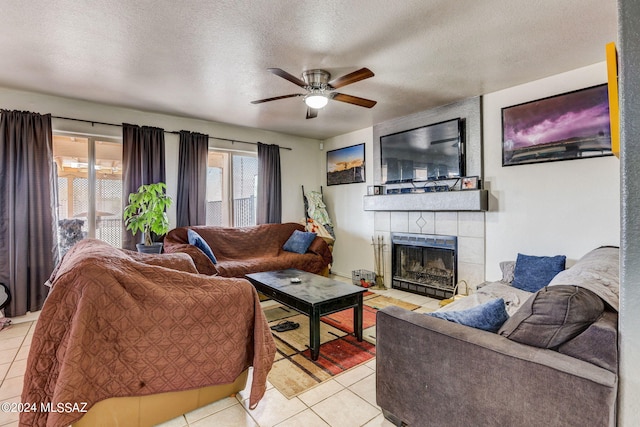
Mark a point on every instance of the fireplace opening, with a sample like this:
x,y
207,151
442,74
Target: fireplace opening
x,y
425,264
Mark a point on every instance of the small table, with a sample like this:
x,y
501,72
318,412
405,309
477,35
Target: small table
x,y
314,296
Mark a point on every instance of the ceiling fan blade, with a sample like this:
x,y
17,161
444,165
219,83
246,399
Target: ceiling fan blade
x,y
356,76
275,98
362,102
282,73
312,113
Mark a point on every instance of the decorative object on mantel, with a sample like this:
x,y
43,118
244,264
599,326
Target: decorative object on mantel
x,y
469,183
374,190
378,257
569,126
346,165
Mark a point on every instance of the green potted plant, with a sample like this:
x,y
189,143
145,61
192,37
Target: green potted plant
x,y
146,212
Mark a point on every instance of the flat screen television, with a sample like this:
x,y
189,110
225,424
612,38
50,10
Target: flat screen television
x,y
426,153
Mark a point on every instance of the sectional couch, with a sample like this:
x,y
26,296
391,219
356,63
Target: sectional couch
x,y
435,372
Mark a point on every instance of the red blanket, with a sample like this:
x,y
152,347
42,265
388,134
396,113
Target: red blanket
x,y
120,324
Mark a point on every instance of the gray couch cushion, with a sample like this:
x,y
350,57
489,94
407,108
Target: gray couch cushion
x,y
553,315
598,344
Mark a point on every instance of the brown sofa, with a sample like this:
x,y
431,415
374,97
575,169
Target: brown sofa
x,y
434,372
139,339
244,250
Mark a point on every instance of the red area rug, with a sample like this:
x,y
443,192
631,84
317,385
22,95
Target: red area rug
x,y
343,353
343,320
293,370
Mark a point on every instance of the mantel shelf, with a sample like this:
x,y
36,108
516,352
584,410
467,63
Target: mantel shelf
x,y
466,200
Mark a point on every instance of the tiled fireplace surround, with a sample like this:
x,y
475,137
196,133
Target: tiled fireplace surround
x,y
467,226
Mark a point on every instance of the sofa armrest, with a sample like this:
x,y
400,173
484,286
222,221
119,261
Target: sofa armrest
x,y
433,372
202,262
320,247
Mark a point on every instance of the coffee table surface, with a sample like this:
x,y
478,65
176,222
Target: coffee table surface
x,y
314,295
312,289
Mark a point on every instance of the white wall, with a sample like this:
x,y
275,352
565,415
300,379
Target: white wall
x,y
299,166
353,226
567,207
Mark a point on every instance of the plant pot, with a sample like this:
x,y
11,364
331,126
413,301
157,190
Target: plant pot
x,y
154,248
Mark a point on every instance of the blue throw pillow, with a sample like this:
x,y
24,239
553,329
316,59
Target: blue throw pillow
x,y
488,316
196,240
299,241
533,273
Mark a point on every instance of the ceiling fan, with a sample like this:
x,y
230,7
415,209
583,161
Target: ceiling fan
x,y
320,89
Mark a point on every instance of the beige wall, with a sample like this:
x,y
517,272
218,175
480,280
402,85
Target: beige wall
x,y
567,207
299,166
354,227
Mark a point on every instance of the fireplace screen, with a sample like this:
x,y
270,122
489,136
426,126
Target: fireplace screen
x,y
424,264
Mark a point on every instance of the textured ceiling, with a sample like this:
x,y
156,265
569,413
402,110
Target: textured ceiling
x,y
209,59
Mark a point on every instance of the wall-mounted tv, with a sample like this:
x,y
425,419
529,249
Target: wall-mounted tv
x,y
429,152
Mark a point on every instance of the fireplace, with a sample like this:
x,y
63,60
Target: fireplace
x,y
424,264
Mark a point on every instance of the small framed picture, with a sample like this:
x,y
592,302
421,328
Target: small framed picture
x,y
374,190
469,183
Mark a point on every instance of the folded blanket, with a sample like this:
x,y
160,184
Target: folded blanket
x,y
118,324
513,297
598,271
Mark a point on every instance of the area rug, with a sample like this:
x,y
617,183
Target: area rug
x,y
293,370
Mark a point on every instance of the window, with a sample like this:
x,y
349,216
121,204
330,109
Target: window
x,y
89,174
231,189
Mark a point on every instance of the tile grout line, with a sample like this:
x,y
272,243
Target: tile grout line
x,y
4,377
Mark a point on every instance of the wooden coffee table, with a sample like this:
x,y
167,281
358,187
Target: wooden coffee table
x,y
314,295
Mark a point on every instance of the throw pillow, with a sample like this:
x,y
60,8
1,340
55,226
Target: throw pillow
x,y
553,315
488,316
196,240
533,273
299,241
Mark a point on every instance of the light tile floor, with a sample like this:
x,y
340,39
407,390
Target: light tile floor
x,y
347,400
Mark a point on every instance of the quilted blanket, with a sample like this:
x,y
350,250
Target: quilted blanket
x,y
122,324
598,271
244,250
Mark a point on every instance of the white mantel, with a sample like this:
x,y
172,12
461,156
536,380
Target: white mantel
x,y
458,201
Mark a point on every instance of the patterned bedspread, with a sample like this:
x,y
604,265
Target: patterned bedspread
x,y
122,324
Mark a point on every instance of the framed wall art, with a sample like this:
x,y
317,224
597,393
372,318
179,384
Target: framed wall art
x,y
572,125
346,165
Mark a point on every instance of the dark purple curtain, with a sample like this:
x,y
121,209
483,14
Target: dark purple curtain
x,y
142,163
28,236
269,210
192,179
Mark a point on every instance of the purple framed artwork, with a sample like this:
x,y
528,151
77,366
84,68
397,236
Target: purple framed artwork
x,y
572,125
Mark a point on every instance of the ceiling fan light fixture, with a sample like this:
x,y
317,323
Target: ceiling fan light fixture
x,y
316,100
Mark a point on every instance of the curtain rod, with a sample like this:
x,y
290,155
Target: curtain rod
x,y
93,122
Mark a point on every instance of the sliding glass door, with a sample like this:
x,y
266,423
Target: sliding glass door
x,y
89,171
